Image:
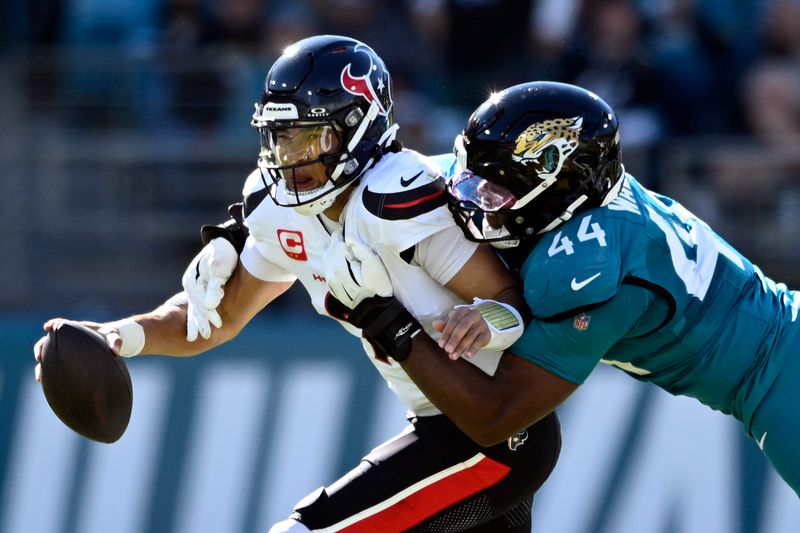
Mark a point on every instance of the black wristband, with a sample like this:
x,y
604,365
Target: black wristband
x,y
386,323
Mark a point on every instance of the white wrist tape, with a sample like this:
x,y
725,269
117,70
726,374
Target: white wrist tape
x,y
132,335
505,323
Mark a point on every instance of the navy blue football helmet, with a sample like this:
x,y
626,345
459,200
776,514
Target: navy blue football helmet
x,y
326,106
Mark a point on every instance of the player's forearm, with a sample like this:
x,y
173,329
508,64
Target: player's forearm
x,y
476,402
166,327
165,332
482,406
514,297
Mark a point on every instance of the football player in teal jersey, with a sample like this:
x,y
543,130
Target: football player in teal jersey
x,y
613,273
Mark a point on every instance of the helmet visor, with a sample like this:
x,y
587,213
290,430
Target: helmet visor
x,y
296,145
470,189
480,208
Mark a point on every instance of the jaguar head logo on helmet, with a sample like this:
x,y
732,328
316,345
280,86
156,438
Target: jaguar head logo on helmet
x,y
323,119
547,144
532,156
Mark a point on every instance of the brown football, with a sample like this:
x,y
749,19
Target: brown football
x,y
87,386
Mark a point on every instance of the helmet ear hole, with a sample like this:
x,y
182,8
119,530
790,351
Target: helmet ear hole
x,y
353,117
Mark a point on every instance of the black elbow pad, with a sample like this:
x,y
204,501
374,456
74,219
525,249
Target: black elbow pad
x,y
233,230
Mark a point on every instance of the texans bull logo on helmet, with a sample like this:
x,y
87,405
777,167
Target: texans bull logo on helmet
x,y
362,85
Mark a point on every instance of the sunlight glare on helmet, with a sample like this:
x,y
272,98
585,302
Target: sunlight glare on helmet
x,y
495,97
290,50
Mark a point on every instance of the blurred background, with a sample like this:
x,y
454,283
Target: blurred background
x,y
124,126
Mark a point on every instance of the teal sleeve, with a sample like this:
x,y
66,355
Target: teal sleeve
x,y
570,348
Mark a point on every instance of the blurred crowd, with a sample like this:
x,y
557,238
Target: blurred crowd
x,y
142,107
670,67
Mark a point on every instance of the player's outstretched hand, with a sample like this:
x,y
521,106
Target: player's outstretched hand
x,y
204,282
483,324
464,332
111,334
353,271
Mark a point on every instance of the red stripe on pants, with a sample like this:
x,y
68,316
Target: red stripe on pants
x,y
433,498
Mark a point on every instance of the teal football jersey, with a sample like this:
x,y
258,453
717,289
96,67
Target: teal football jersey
x,y
447,162
644,285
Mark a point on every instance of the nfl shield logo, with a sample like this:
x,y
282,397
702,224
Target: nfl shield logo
x,y
581,322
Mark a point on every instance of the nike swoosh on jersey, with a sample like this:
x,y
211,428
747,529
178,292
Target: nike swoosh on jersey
x,y
407,204
578,285
761,442
406,182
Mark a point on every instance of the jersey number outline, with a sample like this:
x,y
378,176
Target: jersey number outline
x,y
693,247
587,231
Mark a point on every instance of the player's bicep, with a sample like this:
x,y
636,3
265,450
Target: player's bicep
x,y
484,276
444,253
464,267
571,347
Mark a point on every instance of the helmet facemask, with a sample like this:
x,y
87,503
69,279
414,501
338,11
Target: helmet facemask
x,y
483,209
305,164
490,212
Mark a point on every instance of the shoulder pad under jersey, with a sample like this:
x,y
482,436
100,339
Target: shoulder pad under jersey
x,y
574,267
400,202
259,210
254,192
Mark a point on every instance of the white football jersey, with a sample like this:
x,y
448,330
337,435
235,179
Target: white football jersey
x,y
399,210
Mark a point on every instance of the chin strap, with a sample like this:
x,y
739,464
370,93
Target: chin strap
x,y
387,144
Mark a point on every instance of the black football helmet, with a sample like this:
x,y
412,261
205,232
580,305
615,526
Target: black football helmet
x,y
532,156
327,102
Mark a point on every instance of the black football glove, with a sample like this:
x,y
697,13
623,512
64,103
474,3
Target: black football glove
x,y
383,321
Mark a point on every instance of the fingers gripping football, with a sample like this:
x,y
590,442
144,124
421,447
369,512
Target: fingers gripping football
x,y
353,271
111,335
204,282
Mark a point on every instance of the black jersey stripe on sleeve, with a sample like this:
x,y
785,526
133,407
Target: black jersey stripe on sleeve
x,y
405,204
661,291
253,200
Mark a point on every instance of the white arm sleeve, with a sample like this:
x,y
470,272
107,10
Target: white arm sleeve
x,y
261,267
444,253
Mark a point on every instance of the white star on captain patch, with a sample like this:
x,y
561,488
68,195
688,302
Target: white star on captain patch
x,y
380,84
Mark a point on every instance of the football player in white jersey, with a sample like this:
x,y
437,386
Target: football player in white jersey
x,y
336,178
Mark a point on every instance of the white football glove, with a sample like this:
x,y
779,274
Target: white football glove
x,y
353,271
203,283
